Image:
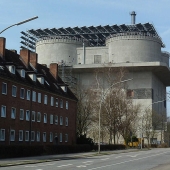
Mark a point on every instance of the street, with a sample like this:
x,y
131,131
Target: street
x,y
154,159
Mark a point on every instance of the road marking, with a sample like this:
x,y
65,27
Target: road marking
x,y
86,162
81,166
104,159
127,161
118,157
133,156
64,165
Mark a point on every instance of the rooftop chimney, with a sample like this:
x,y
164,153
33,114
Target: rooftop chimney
x,y
25,55
33,59
54,70
133,17
2,47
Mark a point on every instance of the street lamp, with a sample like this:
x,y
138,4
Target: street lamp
x,y
142,119
19,23
102,97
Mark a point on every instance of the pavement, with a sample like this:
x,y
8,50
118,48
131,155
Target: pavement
x,y
49,158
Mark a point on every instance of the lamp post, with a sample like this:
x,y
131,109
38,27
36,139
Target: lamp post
x,y
101,100
19,23
142,119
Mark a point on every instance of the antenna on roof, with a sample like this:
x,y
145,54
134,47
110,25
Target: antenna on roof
x,y
133,17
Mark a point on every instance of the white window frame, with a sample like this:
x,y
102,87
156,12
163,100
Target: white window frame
x,y
27,115
45,99
56,119
38,136
21,114
12,131
45,117
61,120
67,105
12,69
38,117
44,136
28,94
56,103
4,88
2,135
61,103
33,96
39,97
13,112
14,91
66,121
52,101
3,110
32,136
22,90
66,137
33,116
51,137
61,137
26,135
51,119
20,135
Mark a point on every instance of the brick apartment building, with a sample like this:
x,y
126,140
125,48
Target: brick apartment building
x,y
36,107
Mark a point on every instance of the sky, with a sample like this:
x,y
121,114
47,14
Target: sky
x,y
72,13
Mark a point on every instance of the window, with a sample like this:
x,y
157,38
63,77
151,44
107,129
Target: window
x,y
56,103
12,69
61,103
52,101
51,137
33,96
44,136
56,119
51,119
66,122
22,93
21,114
33,76
4,88
14,91
12,135
2,135
66,137
61,120
32,135
23,73
3,111
38,117
33,116
60,137
67,105
13,113
26,135
20,135
45,99
27,115
38,136
39,97
28,94
45,118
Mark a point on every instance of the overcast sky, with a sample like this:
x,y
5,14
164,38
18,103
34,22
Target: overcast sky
x,y
72,13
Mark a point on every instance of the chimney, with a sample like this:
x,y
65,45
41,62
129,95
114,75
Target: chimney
x,y
2,47
54,70
25,55
33,59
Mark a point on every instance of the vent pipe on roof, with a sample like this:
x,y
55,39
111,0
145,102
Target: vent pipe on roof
x,y
133,17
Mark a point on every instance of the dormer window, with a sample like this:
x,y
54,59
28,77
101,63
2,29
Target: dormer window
x,y
21,72
41,80
64,88
12,69
33,76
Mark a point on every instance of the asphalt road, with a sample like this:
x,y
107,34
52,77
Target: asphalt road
x,y
155,159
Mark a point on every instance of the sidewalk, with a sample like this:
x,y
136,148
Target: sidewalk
x,y
49,158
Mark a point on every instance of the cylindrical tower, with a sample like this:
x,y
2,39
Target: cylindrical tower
x,y
134,47
133,17
57,49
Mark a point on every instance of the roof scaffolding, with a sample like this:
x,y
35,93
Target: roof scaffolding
x,y
96,36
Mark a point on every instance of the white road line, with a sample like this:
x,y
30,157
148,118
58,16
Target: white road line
x,y
64,165
127,161
87,162
104,159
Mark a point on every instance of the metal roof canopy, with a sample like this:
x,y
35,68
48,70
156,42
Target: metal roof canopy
x,y
96,36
